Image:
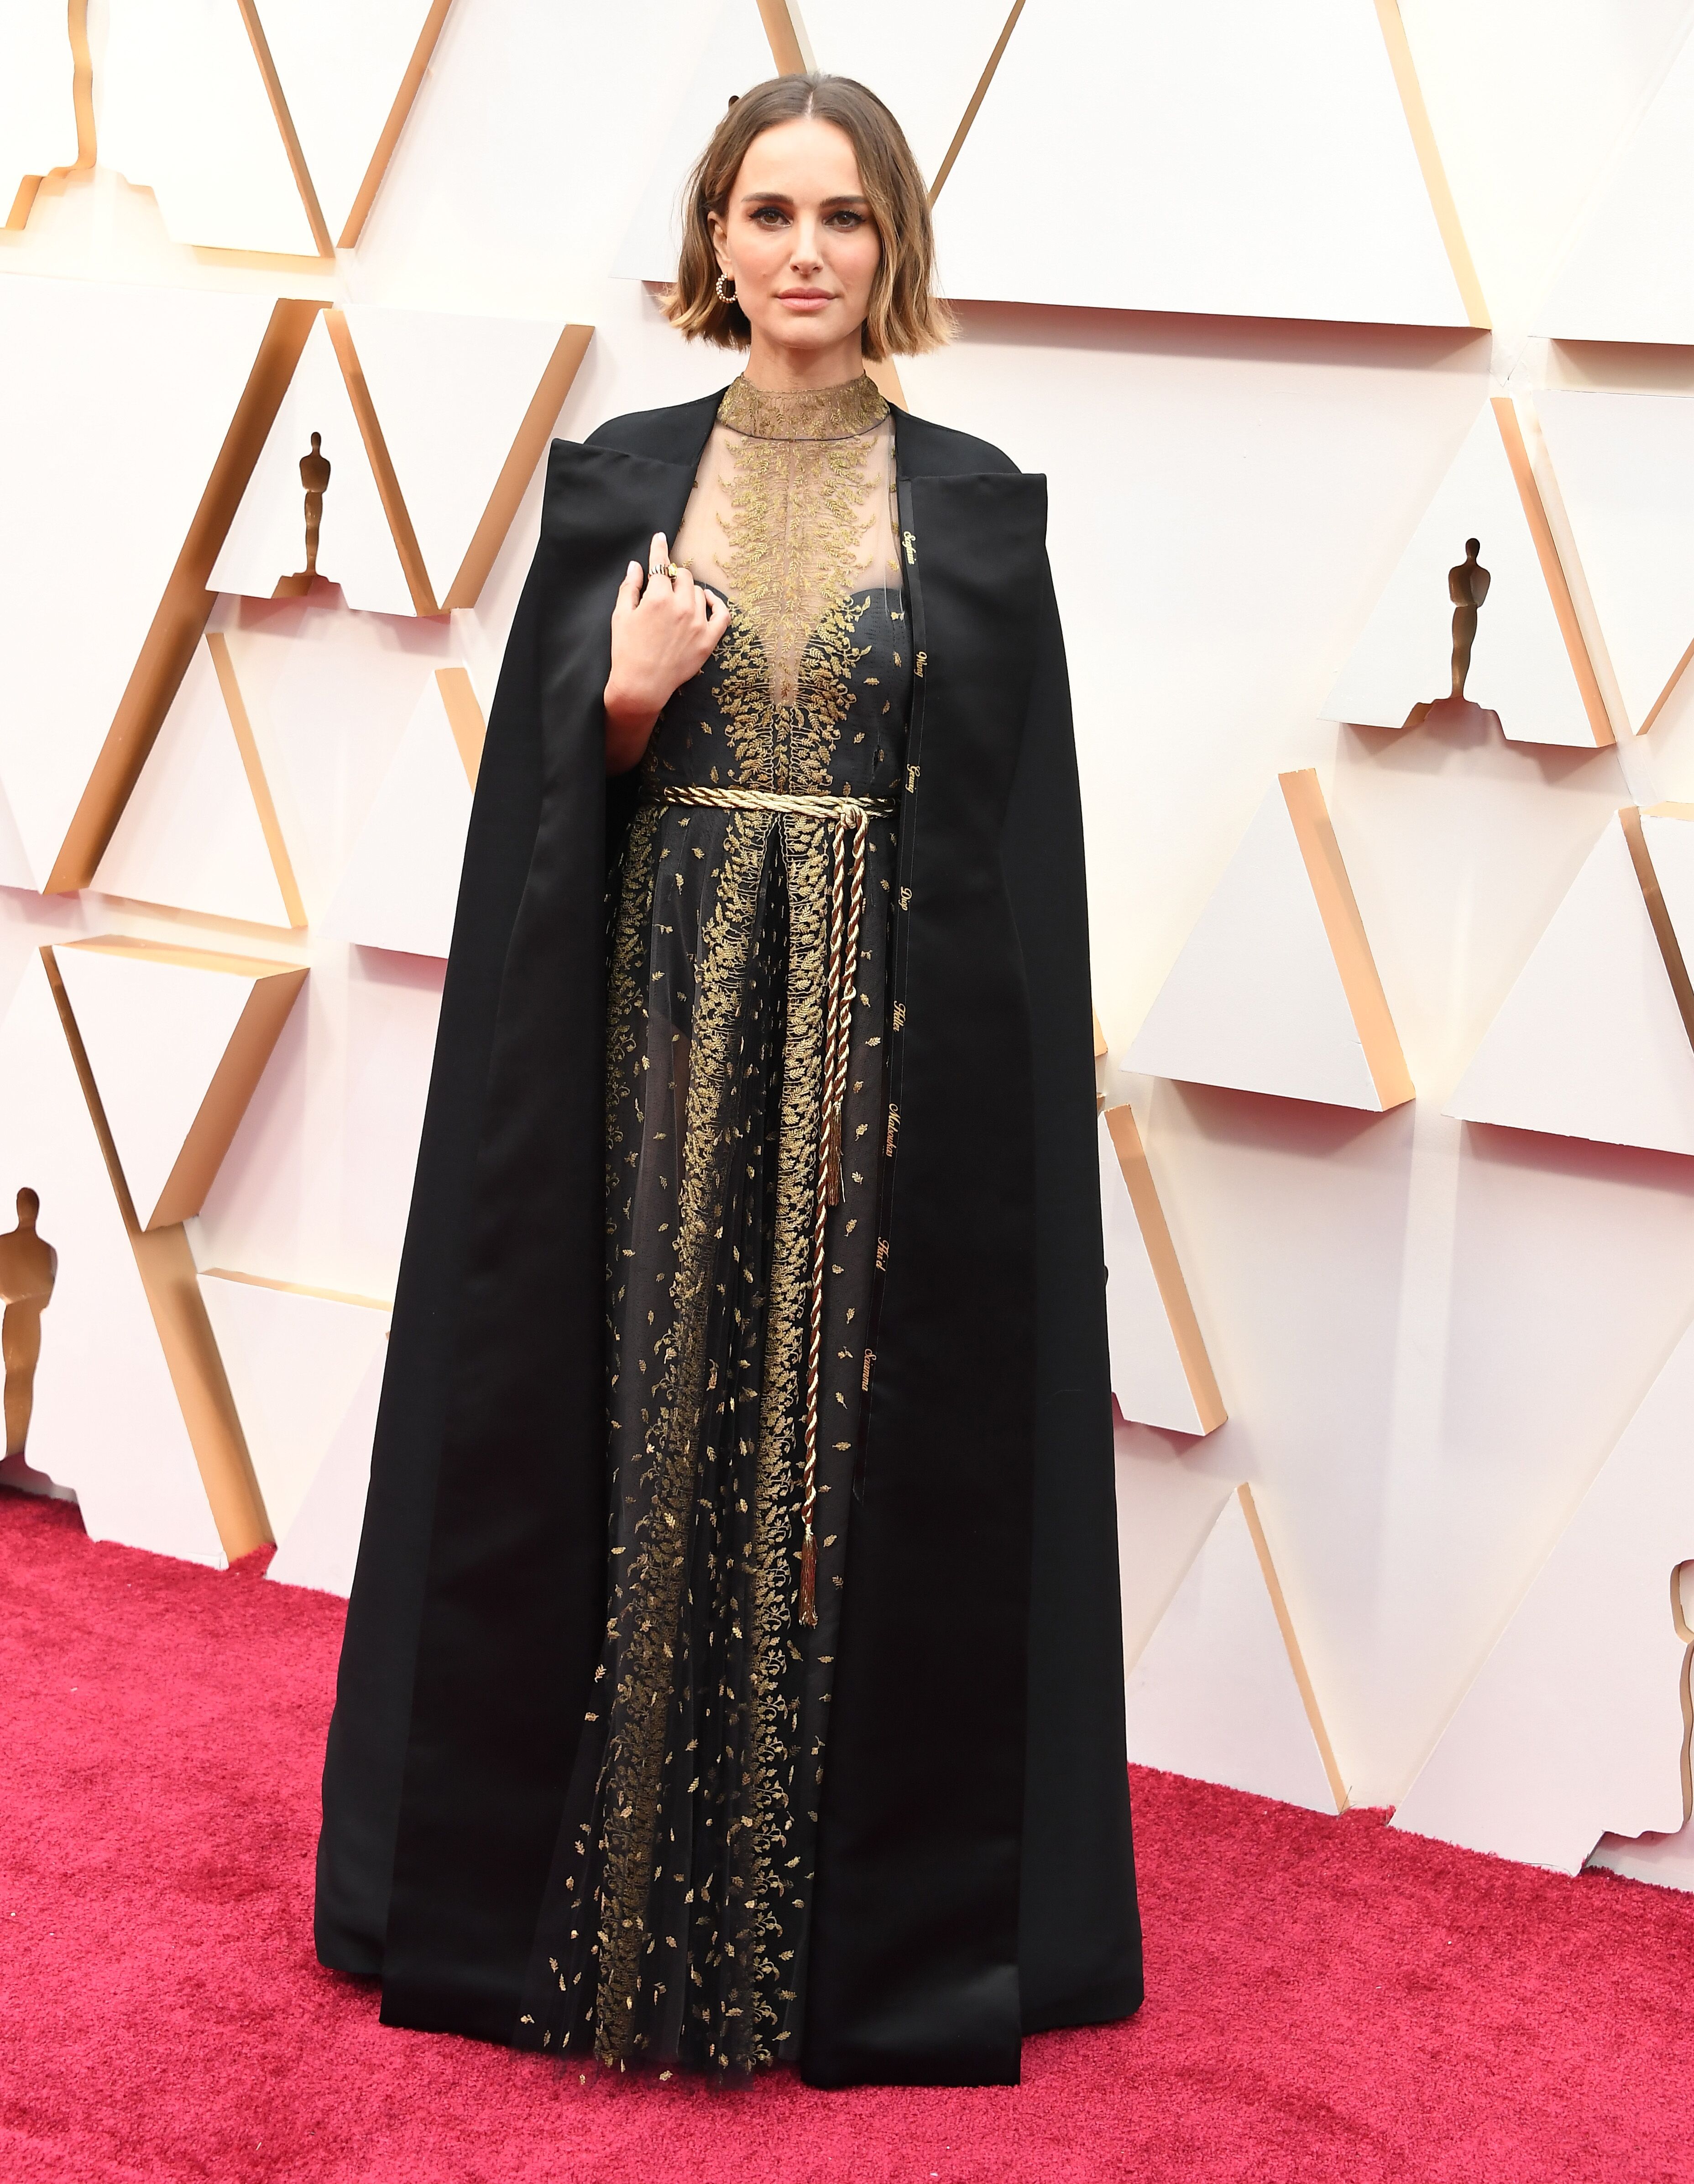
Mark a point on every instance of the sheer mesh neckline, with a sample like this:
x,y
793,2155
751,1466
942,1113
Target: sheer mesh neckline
x,y
803,412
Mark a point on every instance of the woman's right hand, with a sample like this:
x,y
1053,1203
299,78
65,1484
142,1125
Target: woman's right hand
x,y
662,633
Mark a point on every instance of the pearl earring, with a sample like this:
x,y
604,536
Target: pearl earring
x,y
726,289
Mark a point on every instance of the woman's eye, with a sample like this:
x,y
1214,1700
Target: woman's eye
x,y
769,215
850,220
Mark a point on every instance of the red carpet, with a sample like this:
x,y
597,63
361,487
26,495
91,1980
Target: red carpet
x,y
1327,1999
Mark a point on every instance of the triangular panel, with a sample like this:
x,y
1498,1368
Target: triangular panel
x,y
1574,1725
265,550
1527,664
1220,1691
1161,1373
1274,990
295,1360
1625,469
401,886
199,831
1590,1042
177,1039
321,1547
140,401
1229,128
348,70
467,407
106,1419
1629,276
185,112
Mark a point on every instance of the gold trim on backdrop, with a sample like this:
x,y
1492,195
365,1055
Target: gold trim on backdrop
x,y
284,124
1296,1659
181,617
1156,1236
82,84
259,788
180,1318
276,989
296,1289
1344,929
1553,569
381,466
527,450
977,98
1658,914
464,717
1442,202
82,106
399,115
790,48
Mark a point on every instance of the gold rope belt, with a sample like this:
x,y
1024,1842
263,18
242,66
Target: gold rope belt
x,y
848,816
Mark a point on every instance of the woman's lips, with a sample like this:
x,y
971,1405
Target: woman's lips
x,y
804,299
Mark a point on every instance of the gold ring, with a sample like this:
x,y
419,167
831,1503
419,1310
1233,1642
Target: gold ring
x,y
672,569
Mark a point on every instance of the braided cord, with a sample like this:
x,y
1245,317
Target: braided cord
x,y
847,816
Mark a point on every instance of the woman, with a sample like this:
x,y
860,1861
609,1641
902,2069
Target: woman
x,y
732,1673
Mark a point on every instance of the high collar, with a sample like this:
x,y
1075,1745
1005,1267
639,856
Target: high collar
x,y
804,413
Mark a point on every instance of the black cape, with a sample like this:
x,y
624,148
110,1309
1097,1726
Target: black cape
x,y
975,1878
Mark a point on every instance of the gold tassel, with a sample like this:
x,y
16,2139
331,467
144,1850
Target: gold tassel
x,y
808,1605
831,1157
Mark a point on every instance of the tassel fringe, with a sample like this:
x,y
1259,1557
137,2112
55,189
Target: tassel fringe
x,y
808,1599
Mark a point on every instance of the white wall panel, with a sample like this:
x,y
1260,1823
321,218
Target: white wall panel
x,y
496,202
296,1360
1625,465
330,694
1574,1723
341,63
315,1185
37,121
1255,160
1217,1690
439,380
1590,1042
1529,100
182,110
106,1419
191,833
175,1039
1630,272
401,886
128,393
1256,999
321,1548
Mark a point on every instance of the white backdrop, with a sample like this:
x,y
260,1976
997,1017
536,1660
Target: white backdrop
x,y
1209,282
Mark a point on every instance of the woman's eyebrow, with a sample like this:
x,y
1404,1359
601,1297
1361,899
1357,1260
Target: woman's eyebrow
x,y
781,197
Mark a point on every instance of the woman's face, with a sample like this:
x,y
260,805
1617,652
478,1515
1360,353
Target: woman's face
x,y
797,236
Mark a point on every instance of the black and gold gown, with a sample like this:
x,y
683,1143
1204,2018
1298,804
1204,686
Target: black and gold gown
x,y
737,1280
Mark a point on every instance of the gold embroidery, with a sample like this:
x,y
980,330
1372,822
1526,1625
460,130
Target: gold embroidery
x,y
653,1589
810,413
796,482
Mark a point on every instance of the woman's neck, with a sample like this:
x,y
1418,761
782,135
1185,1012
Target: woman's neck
x,y
776,370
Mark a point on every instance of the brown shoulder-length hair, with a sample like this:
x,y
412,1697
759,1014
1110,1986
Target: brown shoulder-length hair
x,y
903,316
